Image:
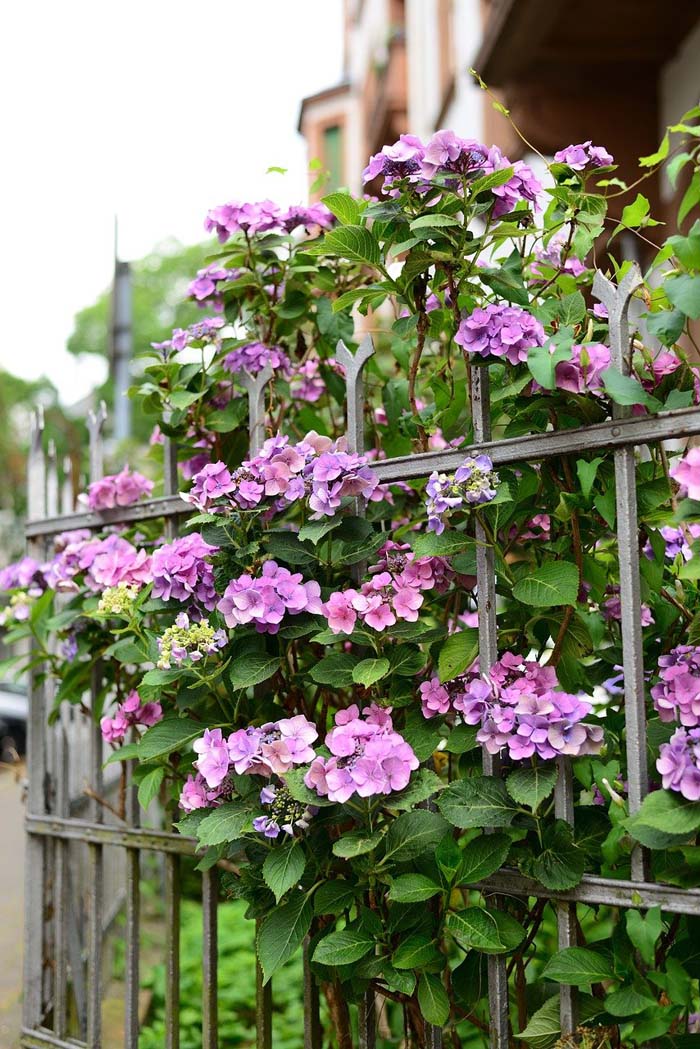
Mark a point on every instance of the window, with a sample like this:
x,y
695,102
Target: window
x,y
333,155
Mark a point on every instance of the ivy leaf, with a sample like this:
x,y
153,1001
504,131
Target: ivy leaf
x,y
432,999
684,292
474,928
150,785
282,932
344,207
252,668
166,736
542,362
482,856
283,868
587,474
555,583
343,947
412,888
457,653
335,669
687,249
226,823
625,389
369,671
578,965
357,844
479,802
560,864
412,834
644,931
531,786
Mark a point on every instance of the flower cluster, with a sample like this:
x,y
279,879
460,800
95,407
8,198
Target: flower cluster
x,y
129,713
583,373
687,473
202,333
522,185
181,572
538,527
271,749
677,539
196,794
255,356
500,331
611,607
305,382
584,155
555,255
205,290
678,763
286,814
282,473
26,573
266,599
518,707
18,610
677,695
122,489
368,757
264,216
393,592
189,642
118,600
104,562
474,483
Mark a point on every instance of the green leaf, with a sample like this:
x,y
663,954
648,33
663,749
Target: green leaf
x,y
474,928
653,159
531,786
252,668
349,242
687,249
587,474
414,952
479,802
412,888
625,389
507,280
457,653
282,932
343,947
168,735
666,325
294,782
429,544
405,660
666,811
578,965
183,399
555,583
424,784
482,856
369,671
629,1002
226,823
684,292
283,868
335,669
561,863
432,999
436,220
150,785
413,833
542,362
344,207
691,198
333,897
644,930
357,843
314,531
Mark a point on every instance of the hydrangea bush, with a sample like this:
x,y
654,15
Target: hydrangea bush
x,y
297,674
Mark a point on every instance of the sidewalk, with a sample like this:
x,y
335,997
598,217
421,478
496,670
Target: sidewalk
x,y
11,905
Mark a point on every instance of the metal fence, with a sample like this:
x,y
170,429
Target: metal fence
x,y
63,982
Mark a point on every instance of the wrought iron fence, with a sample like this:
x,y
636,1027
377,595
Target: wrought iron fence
x,y
52,1018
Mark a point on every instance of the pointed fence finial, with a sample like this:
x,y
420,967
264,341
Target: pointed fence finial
x,y
95,424
36,468
355,389
616,298
255,385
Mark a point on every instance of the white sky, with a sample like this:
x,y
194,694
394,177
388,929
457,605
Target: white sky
x,y
151,109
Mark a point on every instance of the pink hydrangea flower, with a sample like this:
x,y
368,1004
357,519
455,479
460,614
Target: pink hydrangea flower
x,y
687,473
122,489
128,714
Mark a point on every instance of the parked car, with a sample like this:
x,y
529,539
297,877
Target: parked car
x,y
14,710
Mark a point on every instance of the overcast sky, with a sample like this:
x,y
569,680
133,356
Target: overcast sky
x,y
154,110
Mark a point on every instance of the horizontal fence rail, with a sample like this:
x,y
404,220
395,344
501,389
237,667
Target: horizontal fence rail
x,y
52,952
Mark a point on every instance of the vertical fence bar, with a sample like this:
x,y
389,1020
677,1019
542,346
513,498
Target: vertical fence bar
x,y
617,301
263,1002
255,385
566,912
172,951
95,888
62,859
488,653
67,493
33,998
312,1019
210,899
133,918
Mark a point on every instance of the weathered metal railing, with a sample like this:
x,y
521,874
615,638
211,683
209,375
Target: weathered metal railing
x,y
51,827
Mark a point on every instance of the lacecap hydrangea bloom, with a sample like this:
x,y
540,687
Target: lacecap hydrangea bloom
x,y
368,757
677,694
268,750
129,713
500,331
264,600
122,489
204,332
519,708
474,483
285,816
118,600
678,763
181,572
187,642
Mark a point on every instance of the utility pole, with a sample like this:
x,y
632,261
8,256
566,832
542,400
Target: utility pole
x,y
121,343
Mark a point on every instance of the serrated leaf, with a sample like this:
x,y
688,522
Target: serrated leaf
x,y
343,947
424,784
344,207
283,868
561,863
482,856
282,932
349,242
149,786
369,671
530,786
474,928
413,833
457,653
357,843
432,999
226,823
333,897
429,544
166,736
555,583
294,782
629,1002
412,888
479,802
578,965
314,531
252,668
335,669
414,952
406,660
436,220
666,811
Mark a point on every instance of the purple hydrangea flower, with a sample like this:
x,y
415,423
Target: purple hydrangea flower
x,y
122,489
203,332
196,794
310,217
397,162
686,472
25,573
205,290
678,763
522,185
584,372
255,356
611,608
448,153
182,573
584,155
234,217
677,694
285,816
500,331
551,255
473,484
265,600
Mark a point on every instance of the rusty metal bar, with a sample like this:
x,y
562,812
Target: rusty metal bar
x,y
210,969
